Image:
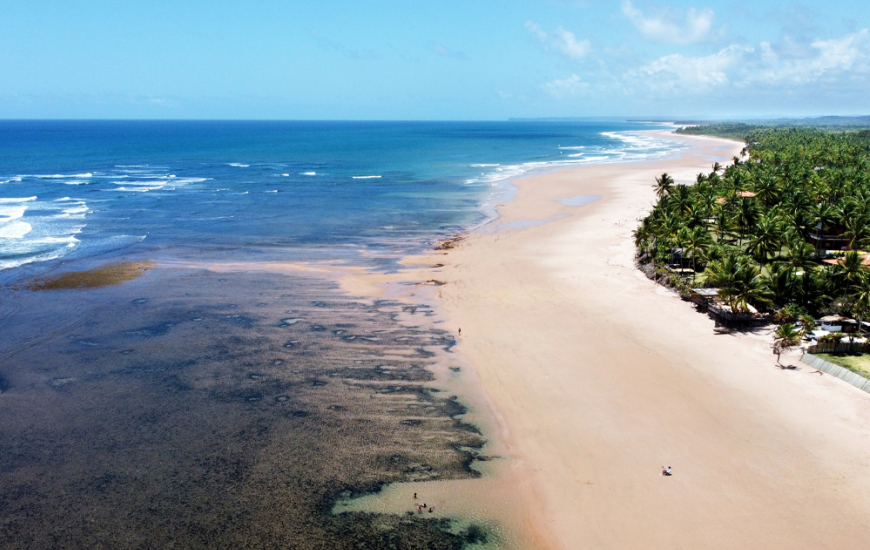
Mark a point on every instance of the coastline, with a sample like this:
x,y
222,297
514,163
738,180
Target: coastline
x,y
597,377
583,376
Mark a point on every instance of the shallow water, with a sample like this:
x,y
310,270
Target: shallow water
x,y
203,407
184,409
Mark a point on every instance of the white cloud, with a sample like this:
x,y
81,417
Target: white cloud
x,y
698,73
560,41
698,26
836,61
566,87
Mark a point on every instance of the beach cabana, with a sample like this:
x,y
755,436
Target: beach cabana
x,y
837,323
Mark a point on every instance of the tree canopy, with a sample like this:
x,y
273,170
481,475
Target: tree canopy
x,y
762,228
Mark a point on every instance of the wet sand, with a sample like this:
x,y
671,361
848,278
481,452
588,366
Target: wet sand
x,y
598,378
207,404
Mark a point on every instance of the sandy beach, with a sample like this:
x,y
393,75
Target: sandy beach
x,y
597,378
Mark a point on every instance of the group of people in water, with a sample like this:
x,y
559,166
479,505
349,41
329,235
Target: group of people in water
x,y
422,507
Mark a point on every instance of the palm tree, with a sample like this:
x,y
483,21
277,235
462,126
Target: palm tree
x,y
800,254
680,199
746,215
857,231
848,271
780,280
767,190
764,240
695,242
663,185
808,324
740,283
824,215
786,337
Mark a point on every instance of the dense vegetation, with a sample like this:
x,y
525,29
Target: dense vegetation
x,y
731,130
761,228
854,126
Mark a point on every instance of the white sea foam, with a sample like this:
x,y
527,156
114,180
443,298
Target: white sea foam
x,y
630,146
14,230
14,200
484,165
238,164
308,174
9,213
33,230
59,176
365,177
81,209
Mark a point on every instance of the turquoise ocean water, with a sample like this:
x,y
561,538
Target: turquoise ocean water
x,y
88,190
233,407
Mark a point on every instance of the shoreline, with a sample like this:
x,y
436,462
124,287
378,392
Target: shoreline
x,y
598,376
586,378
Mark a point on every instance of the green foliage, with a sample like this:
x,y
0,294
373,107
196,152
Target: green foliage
x,y
785,337
789,314
832,337
760,227
732,130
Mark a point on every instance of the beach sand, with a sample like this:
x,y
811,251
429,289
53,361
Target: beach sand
x,y
597,378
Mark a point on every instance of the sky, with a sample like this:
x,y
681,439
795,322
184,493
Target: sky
x,y
432,59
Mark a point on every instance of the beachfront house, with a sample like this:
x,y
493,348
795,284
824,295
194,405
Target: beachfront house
x,y
838,323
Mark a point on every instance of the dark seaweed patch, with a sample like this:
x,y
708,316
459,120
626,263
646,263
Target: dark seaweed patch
x,y
214,438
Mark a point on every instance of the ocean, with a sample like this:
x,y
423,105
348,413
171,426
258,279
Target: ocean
x,y
74,190
226,398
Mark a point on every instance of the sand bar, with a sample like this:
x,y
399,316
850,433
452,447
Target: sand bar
x,y
598,378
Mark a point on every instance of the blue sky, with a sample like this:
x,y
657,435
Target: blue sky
x,y
432,59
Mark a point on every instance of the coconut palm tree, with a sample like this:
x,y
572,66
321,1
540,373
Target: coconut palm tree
x,y
740,283
663,185
848,272
695,242
780,279
786,337
765,238
800,254
824,215
746,214
857,230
